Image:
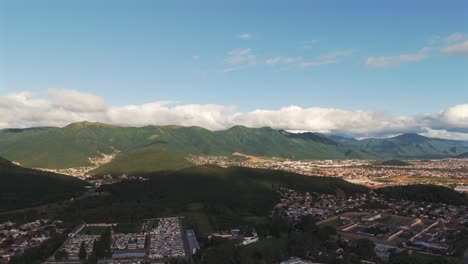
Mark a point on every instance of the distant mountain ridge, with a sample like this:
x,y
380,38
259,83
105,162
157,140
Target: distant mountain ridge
x,y
73,145
413,146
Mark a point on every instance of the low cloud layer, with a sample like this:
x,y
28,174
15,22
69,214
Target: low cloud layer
x,y
59,107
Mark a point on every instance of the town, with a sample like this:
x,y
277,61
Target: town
x,y
428,228
393,225
446,172
16,238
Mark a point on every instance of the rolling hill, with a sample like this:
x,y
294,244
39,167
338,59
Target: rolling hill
x,y
425,193
73,145
22,187
143,161
220,197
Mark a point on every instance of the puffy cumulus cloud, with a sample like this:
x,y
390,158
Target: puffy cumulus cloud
x,y
433,133
457,49
59,107
76,101
326,120
395,61
210,116
455,116
26,110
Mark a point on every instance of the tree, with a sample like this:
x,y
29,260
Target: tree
x,y
365,249
82,254
279,225
61,255
92,259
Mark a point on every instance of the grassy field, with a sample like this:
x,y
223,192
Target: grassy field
x,y
255,159
143,161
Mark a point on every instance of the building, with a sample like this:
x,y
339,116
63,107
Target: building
x,y
192,241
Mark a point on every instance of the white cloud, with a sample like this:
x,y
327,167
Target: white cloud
x,y
324,120
395,61
165,113
57,108
445,134
245,36
455,116
457,36
308,64
76,101
327,58
239,58
282,60
457,49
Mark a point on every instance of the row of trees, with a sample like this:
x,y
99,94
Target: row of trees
x,y
38,254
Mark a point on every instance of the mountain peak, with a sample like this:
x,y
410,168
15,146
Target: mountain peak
x,y
238,127
412,137
84,124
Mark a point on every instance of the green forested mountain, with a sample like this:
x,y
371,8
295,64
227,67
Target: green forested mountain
x,y
413,146
21,187
71,146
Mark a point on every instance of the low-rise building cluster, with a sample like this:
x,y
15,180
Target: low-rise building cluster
x,y
295,205
16,238
430,228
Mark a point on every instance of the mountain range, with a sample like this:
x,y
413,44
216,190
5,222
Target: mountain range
x,y
73,145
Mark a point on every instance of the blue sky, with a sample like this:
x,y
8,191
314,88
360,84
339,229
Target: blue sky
x,y
399,57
